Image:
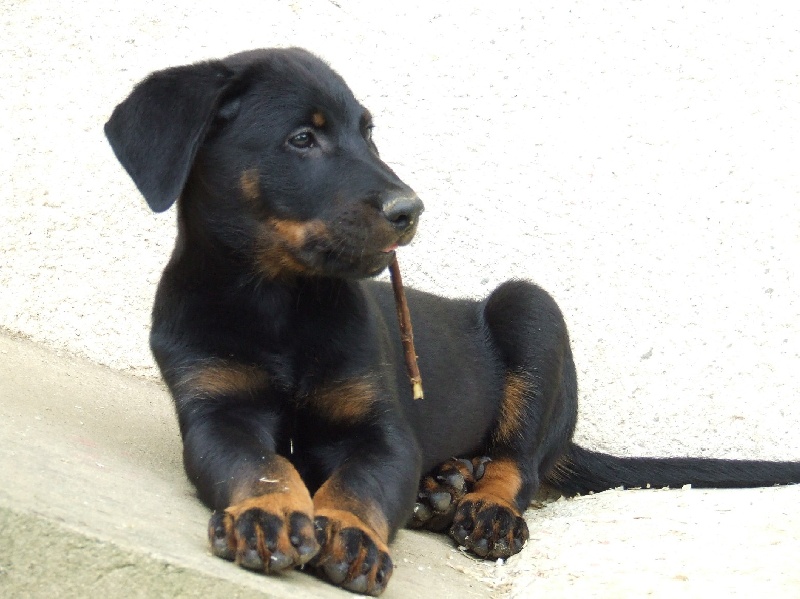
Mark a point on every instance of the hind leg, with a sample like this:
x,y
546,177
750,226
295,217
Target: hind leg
x,y
533,426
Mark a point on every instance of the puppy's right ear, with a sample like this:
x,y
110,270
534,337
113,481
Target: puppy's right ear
x,y
157,130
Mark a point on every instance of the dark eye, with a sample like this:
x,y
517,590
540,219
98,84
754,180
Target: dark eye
x,y
368,132
302,140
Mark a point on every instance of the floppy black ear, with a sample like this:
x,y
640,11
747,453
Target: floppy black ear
x,y
156,131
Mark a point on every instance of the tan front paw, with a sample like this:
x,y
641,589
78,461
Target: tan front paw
x,y
267,533
351,554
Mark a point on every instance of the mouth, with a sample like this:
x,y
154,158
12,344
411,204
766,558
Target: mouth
x,y
361,265
404,239
345,260
314,249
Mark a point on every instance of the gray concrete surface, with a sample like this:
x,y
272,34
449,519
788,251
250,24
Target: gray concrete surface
x,y
95,502
639,160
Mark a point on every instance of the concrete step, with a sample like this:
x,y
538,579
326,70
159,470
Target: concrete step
x,y
94,501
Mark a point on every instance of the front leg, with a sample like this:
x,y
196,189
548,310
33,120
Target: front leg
x,y
263,515
360,507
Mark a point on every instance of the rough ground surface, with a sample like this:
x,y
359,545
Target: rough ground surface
x,y
96,503
638,160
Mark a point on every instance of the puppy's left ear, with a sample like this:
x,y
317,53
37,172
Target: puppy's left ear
x,y
156,131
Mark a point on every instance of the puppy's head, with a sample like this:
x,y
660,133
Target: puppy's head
x,y
271,158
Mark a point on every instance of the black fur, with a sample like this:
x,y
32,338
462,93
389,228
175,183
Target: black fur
x,y
283,357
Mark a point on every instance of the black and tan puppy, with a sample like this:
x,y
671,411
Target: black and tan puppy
x,y
285,363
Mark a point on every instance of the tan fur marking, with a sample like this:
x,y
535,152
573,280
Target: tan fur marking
x,y
318,119
292,233
223,378
501,481
351,511
278,490
278,242
345,401
512,409
249,184
561,471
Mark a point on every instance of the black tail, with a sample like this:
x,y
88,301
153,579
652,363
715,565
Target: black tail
x,y
584,471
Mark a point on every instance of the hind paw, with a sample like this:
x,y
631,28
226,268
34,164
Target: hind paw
x,y
441,492
489,527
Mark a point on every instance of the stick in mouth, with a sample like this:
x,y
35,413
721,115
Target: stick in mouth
x,y
406,332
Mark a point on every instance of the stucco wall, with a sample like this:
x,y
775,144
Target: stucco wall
x,y
638,160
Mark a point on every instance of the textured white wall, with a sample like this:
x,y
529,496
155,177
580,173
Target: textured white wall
x,y
638,160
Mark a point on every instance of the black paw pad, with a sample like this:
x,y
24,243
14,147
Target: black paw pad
x,y
488,529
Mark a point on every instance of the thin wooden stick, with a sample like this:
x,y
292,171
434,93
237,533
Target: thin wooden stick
x,y
406,332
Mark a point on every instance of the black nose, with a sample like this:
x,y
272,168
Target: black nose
x,y
402,210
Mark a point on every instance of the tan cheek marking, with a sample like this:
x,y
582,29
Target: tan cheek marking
x,y
344,402
278,242
318,119
512,409
249,184
223,379
292,233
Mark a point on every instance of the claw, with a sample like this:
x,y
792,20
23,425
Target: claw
x,y
441,492
453,479
221,545
440,501
480,467
251,560
421,512
467,465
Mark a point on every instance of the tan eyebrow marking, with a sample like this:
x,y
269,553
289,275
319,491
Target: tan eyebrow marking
x,y
248,182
